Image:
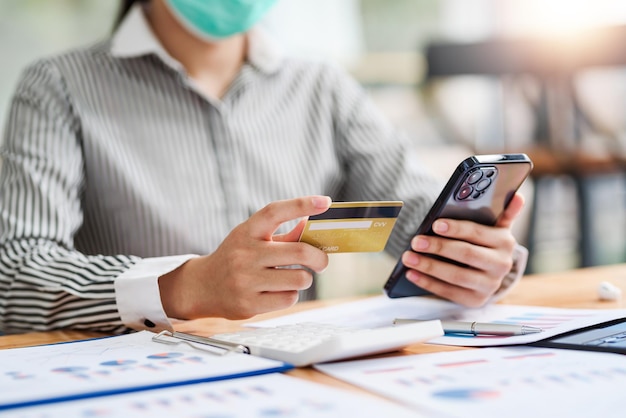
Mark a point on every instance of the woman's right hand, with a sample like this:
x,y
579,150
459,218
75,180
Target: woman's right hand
x,y
243,277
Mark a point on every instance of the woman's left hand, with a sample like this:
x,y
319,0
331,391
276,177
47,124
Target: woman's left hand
x,y
485,252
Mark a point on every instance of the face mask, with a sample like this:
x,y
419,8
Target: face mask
x,y
218,19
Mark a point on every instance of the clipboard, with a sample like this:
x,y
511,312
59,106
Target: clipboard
x,y
609,336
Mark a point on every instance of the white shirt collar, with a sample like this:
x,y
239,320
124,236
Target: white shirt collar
x,y
134,38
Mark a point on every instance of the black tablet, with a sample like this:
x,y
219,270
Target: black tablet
x,y
607,336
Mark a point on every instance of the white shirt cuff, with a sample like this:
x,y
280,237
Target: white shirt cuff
x,y
137,293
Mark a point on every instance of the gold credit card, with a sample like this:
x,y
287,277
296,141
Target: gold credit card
x,y
349,227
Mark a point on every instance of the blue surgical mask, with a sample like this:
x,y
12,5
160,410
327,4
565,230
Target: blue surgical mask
x,y
218,19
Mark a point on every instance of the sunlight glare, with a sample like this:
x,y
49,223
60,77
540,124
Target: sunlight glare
x,y
561,18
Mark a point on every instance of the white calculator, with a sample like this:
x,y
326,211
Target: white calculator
x,y
307,343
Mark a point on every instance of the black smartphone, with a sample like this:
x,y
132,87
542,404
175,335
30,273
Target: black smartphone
x,y
480,189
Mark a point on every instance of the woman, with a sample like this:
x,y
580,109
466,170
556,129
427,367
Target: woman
x,y
144,178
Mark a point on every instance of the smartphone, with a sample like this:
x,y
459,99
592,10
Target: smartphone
x,y
479,190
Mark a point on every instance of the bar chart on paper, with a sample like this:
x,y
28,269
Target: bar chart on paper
x,y
543,320
125,363
509,381
267,396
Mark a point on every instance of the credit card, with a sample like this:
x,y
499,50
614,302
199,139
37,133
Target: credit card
x,y
349,227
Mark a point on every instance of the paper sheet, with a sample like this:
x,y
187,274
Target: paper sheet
x,y
553,321
371,312
273,395
381,311
109,365
497,382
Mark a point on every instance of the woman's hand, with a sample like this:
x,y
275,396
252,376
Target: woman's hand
x,y
252,271
485,251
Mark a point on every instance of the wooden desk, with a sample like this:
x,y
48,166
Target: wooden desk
x,y
571,289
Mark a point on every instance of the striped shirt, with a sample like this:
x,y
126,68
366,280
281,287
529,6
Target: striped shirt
x,y
116,169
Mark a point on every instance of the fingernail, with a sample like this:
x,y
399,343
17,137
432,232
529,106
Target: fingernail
x,y
420,244
441,226
413,276
410,259
321,202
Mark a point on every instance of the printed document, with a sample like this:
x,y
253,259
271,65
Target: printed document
x,y
497,382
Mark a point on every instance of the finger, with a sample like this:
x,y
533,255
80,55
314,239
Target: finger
x,y
284,254
477,256
286,279
461,295
482,234
444,271
512,211
293,235
467,231
263,223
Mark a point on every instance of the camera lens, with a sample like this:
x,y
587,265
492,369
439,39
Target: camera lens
x,y
483,184
464,192
474,177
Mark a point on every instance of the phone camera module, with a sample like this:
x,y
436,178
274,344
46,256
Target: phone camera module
x,y
476,183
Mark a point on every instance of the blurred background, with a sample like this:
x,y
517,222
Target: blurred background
x,y
460,77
